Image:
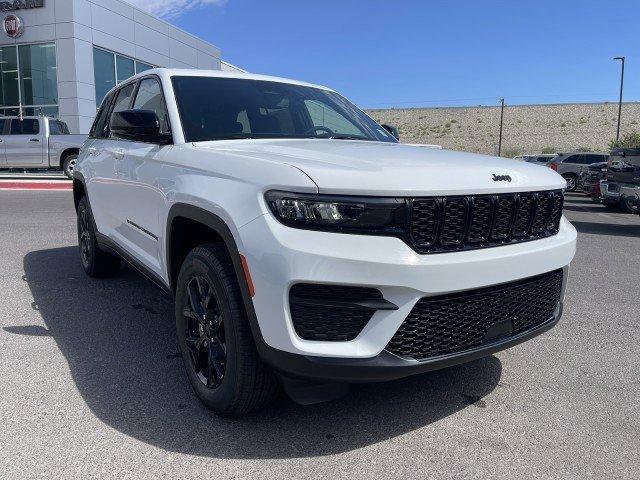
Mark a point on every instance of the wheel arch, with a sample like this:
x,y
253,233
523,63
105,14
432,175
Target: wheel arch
x,y
182,212
79,189
67,152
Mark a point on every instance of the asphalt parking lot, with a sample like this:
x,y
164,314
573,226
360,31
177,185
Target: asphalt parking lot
x,y
91,383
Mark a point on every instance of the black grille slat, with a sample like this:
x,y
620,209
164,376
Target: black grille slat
x,y
481,218
454,221
444,224
524,213
503,217
455,323
424,218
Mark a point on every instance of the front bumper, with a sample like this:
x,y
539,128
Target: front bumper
x,y
280,256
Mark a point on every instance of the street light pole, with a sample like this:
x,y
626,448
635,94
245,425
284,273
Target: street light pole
x,y
501,117
620,101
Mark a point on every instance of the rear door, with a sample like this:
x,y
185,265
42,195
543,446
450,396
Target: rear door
x,y
25,144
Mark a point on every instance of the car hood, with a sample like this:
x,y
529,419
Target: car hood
x,y
353,167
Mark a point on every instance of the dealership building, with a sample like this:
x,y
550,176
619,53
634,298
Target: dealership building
x,y
60,57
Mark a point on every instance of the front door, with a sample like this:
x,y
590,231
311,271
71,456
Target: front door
x,y
140,184
25,145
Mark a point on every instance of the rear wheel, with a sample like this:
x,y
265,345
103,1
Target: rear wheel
x,y
95,262
69,165
214,336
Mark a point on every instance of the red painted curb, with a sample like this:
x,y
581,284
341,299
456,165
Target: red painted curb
x,y
35,185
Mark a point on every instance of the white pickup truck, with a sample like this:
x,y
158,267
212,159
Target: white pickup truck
x,y
38,143
304,246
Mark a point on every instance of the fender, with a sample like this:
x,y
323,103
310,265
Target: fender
x,y
218,225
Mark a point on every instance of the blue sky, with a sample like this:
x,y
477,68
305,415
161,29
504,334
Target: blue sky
x,y
427,53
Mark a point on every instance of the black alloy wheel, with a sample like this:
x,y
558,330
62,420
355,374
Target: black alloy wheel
x,y
204,333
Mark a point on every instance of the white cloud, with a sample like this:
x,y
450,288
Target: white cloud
x,y
172,8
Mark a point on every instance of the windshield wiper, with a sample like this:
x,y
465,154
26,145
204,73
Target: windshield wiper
x,y
340,136
233,136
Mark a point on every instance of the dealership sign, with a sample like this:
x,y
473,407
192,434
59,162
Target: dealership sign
x,y
10,5
13,26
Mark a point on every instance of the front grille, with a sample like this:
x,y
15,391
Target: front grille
x,y
454,323
445,224
330,312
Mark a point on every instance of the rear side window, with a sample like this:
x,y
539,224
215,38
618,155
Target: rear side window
x,y
574,159
27,126
595,159
56,127
149,97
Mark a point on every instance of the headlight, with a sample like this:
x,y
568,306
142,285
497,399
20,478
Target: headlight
x,y
339,213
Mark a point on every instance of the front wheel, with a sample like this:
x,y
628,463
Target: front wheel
x,y
627,206
69,165
214,336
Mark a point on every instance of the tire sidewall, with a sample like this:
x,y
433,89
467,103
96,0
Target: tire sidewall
x,y
83,205
216,398
575,182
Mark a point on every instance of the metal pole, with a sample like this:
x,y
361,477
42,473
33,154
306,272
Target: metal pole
x,y
620,101
501,117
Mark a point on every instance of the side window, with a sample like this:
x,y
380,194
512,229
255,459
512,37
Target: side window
x,y
123,98
100,124
323,116
573,159
595,159
27,126
3,124
122,102
149,97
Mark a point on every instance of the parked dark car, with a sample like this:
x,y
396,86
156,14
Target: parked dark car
x,y
572,165
591,180
622,179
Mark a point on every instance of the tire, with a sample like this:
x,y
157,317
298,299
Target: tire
x,y
215,339
95,262
627,206
572,182
69,165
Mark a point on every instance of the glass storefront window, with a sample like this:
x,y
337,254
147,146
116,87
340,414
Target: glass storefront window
x,y
111,68
125,68
38,75
104,69
9,76
28,77
141,67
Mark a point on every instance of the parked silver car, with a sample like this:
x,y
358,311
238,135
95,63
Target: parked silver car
x,y
574,166
38,143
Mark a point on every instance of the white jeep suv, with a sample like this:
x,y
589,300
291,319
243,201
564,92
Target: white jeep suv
x,y
304,246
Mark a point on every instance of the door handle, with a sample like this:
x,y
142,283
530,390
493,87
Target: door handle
x,y
118,154
34,139
92,151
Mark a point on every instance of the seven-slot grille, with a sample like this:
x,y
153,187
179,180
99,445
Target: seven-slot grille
x,y
454,323
442,224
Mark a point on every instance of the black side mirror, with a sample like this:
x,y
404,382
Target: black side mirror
x,y
138,125
392,130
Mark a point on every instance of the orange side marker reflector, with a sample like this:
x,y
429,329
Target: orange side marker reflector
x,y
247,275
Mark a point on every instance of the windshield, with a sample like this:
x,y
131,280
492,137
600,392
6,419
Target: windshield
x,y
230,108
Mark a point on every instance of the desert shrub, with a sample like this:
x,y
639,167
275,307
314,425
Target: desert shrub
x,y
628,140
510,152
549,150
